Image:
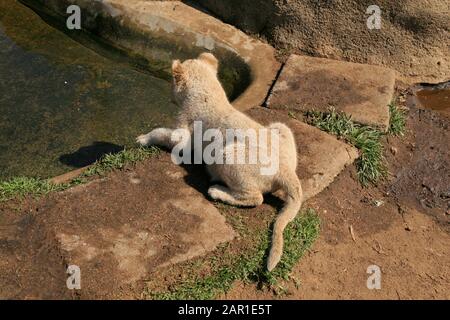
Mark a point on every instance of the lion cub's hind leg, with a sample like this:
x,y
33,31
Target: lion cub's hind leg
x,y
244,199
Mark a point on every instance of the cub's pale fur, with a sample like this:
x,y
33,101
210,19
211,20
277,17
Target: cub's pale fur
x,y
197,90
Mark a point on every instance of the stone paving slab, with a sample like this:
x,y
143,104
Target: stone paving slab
x,y
321,157
120,229
361,91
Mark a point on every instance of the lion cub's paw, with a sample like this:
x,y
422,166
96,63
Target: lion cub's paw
x,y
217,192
143,139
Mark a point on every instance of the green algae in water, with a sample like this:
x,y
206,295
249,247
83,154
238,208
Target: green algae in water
x,y
62,104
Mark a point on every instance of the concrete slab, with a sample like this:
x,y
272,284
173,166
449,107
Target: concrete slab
x,y
120,229
361,91
321,157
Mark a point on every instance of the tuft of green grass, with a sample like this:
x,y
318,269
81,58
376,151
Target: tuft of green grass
x,y
251,266
19,187
26,186
117,161
370,165
397,121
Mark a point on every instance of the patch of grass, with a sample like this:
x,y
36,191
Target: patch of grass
x,y
397,122
19,187
117,161
251,266
370,165
26,186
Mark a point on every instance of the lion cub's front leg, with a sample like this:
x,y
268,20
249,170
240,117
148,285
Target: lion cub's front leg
x,y
160,137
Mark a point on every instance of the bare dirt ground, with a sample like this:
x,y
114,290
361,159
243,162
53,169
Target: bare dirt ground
x,y
402,226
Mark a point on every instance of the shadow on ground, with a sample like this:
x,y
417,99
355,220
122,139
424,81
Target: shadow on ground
x,y
89,154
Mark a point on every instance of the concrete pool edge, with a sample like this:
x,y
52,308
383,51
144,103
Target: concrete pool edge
x,y
131,24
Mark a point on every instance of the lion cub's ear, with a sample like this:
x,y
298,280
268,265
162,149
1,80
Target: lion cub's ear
x,y
178,72
209,59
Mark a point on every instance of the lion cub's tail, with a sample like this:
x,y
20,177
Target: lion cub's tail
x,y
291,185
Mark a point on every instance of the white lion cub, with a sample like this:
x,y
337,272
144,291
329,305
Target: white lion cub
x,y
197,90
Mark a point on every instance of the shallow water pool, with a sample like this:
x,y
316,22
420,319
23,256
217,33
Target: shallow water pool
x,y
62,104
437,99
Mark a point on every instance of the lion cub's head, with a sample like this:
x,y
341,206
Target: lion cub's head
x,y
196,78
